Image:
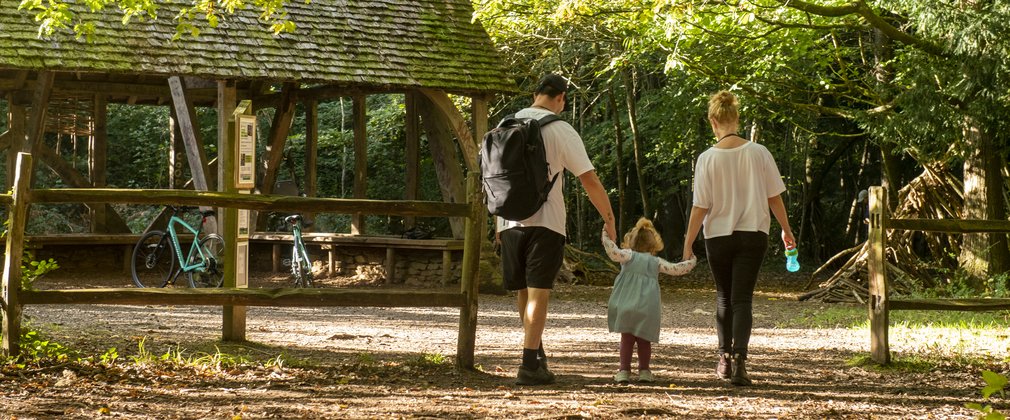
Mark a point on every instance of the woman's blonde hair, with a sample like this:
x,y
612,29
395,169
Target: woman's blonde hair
x,y
723,107
643,238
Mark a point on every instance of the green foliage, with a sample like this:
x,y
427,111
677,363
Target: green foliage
x,y
995,384
36,348
56,16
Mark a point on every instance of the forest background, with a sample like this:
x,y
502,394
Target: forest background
x,y
909,94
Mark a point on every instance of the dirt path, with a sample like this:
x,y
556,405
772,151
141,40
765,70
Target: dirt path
x,y
387,363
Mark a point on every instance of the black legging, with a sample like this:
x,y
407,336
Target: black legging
x,y
735,261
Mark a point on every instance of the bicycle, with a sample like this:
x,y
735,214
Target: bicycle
x,y
301,265
155,255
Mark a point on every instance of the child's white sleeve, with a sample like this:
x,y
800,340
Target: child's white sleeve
x,y
616,254
677,269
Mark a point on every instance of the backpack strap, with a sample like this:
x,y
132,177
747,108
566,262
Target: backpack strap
x,y
548,119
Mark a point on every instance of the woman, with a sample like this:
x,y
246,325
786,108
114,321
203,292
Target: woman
x,y
736,182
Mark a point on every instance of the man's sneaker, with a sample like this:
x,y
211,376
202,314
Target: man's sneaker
x,y
540,376
645,375
723,370
622,376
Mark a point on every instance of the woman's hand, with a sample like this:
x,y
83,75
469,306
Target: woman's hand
x,y
788,240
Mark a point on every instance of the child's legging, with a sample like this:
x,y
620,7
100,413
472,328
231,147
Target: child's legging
x,y
628,341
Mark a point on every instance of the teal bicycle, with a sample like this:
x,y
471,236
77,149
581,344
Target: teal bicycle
x,y
301,265
156,254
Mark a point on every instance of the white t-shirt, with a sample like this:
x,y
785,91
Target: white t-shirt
x,y
735,185
564,150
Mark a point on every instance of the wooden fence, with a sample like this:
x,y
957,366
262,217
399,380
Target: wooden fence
x,y
13,298
880,303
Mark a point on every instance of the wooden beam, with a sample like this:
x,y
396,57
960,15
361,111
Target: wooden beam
x,y
950,225
112,89
190,135
445,158
279,130
245,297
961,305
311,153
37,118
176,152
16,117
413,140
97,161
360,160
876,266
258,202
11,288
457,122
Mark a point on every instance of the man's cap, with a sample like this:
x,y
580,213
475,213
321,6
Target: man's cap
x,y
554,83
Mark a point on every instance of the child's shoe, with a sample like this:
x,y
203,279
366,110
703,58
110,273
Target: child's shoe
x,y
645,375
622,376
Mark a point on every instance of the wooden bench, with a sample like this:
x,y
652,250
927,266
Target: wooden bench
x,y
329,241
126,240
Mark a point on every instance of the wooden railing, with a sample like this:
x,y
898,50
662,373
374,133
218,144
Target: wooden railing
x,y
880,302
22,196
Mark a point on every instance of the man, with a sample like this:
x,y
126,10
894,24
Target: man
x,y
533,249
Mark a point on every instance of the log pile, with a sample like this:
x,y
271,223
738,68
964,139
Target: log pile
x,y
934,194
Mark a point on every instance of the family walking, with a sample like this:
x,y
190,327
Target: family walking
x,y
737,186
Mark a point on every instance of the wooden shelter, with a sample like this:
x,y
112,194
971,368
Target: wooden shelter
x,y
423,49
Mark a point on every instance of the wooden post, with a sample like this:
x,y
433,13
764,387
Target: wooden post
x,y
467,339
411,132
390,264
311,153
97,162
235,250
16,121
360,161
10,342
876,268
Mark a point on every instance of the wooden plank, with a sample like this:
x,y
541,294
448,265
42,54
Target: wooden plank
x,y
360,160
287,297
251,201
11,289
876,267
279,130
476,223
187,126
360,240
963,305
950,225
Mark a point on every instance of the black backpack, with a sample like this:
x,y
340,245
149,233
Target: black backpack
x,y
513,167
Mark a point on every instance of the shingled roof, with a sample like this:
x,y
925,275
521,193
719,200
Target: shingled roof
x,y
388,44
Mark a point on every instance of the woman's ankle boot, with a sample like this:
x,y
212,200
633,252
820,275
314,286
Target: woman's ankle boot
x,y
740,376
724,370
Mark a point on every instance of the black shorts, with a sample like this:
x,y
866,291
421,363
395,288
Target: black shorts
x,y
531,257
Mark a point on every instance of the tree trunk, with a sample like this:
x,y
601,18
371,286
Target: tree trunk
x,y
618,159
629,87
983,254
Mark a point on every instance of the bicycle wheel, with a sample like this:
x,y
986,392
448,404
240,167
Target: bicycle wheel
x,y
301,268
152,261
212,274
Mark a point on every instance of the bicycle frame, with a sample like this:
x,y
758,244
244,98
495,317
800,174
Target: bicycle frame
x,y
194,247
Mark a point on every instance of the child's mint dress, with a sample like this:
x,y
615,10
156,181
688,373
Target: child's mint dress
x,y
635,305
